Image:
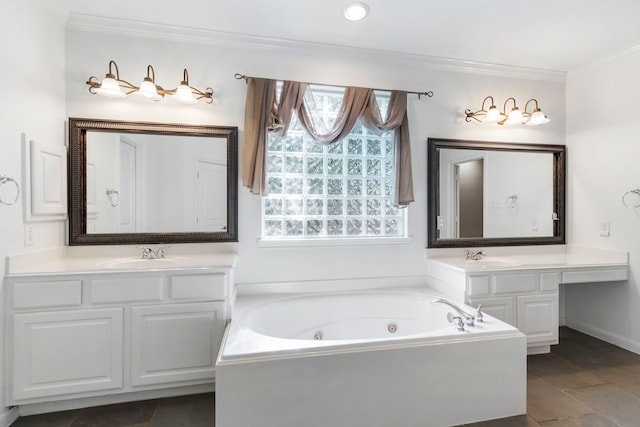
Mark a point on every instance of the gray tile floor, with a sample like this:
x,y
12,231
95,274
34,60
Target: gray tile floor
x,y
184,411
582,382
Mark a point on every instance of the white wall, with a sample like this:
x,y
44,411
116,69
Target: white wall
x,y
214,64
603,154
32,84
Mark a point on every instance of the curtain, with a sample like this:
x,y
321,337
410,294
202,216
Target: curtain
x,y
263,114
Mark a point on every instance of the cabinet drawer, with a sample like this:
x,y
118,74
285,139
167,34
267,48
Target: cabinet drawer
x,y
126,289
592,276
205,286
47,294
478,285
512,283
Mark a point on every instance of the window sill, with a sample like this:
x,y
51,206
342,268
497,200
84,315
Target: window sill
x,y
328,242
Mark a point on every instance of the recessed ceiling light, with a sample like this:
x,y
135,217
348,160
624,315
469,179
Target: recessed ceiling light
x,y
355,11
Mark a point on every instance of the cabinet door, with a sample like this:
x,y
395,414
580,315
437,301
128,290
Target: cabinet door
x,y
176,342
538,318
500,307
64,352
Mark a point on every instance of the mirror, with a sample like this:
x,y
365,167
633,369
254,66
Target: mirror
x,y
135,183
495,194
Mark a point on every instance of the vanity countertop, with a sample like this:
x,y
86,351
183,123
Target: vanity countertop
x,y
503,259
60,261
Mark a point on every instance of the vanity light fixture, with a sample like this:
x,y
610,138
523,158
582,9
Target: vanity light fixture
x,y
514,116
115,87
355,11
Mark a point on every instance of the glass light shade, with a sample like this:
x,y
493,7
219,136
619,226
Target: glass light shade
x,y
515,117
148,89
537,118
493,115
355,11
110,87
185,95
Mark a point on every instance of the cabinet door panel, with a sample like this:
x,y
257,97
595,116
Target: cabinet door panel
x,y
177,342
501,308
64,352
538,318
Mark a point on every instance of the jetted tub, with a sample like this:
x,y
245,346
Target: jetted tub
x,y
385,357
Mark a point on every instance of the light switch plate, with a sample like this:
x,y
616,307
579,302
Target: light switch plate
x,y
605,229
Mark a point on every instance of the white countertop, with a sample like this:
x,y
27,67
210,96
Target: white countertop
x,y
503,259
58,261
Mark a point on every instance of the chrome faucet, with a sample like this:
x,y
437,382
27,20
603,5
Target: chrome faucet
x,y
148,253
468,318
474,255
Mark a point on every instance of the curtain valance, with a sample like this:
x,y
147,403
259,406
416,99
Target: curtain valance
x,y
264,113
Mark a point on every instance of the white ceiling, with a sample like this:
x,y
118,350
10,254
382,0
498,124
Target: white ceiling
x,y
559,35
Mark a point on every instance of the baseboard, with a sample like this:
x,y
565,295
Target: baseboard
x,y
8,416
607,336
562,321
86,402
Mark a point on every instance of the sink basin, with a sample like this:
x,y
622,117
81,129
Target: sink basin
x,y
493,262
139,263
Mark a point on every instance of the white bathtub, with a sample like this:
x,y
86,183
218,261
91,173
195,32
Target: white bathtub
x,y
385,357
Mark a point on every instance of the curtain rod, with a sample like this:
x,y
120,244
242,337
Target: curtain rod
x,y
239,76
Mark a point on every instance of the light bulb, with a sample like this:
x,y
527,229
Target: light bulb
x,y
537,118
355,11
515,117
493,115
148,88
110,87
184,94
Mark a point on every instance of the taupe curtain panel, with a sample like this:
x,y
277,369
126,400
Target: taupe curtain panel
x,y
264,114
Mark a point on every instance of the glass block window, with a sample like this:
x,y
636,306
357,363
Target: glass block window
x,y
341,190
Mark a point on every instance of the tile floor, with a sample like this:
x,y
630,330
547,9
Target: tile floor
x,y
582,382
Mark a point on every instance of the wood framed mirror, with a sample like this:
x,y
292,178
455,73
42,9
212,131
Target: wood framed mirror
x,y
151,183
495,194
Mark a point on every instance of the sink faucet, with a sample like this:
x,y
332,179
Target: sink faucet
x,y
148,253
468,318
474,255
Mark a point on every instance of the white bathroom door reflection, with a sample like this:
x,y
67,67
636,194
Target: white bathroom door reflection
x,y
211,199
128,193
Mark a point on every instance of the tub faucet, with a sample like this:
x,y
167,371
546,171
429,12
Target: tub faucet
x,y
474,255
468,318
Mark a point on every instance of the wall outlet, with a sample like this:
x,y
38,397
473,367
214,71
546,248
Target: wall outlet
x,y
605,229
28,235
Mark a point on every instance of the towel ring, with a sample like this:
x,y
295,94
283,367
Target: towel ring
x,y
636,192
113,196
5,179
512,201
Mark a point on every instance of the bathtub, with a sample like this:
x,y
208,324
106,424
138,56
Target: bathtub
x,y
383,357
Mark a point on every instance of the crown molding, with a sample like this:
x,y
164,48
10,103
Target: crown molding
x,y
630,50
148,30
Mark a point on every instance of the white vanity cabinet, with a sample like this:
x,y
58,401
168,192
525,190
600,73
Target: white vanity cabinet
x,y
83,335
526,300
523,289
